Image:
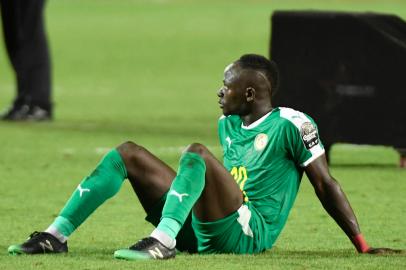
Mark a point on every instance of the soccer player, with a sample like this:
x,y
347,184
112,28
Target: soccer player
x,y
239,206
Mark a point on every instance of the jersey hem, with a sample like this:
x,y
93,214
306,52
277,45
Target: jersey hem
x,y
315,155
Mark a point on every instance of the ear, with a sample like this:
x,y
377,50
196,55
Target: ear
x,y
250,94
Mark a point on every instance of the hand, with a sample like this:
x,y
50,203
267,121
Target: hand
x,y
384,251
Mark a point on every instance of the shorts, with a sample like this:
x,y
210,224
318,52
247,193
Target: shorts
x,y
242,232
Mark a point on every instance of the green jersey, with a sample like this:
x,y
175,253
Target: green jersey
x,y
267,159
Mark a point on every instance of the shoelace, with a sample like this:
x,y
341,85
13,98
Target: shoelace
x,y
143,243
35,234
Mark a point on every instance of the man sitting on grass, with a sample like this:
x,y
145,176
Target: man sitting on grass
x,y
239,206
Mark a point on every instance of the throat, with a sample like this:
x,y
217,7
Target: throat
x,y
250,119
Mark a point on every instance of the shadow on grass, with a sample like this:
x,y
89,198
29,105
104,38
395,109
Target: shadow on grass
x,y
94,251
298,254
340,253
364,165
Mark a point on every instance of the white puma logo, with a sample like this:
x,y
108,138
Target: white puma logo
x,y
46,245
229,141
81,190
175,193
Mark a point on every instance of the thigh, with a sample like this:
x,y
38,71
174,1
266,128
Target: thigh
x,y
221,195
149,176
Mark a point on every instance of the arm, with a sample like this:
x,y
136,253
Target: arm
x,y
336,204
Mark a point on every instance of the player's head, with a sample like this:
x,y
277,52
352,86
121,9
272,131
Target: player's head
x,y
248,82
264,67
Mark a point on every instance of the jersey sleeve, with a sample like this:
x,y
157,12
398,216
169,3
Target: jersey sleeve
x,y
302,140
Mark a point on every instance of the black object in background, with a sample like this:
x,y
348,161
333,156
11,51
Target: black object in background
x,y
347,70
27,48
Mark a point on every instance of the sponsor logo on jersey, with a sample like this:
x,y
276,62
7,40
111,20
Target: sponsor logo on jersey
x,y
309,135
261,140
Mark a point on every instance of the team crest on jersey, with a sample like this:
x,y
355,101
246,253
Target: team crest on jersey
x,y
261,140
309,135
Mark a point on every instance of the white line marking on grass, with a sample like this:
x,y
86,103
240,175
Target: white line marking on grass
x,y
180,149
169,149
102,150
159,150
68,151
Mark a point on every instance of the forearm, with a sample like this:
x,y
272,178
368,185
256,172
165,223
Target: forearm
x,y
337,205
335,202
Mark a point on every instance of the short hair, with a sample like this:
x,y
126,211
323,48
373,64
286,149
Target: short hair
x,y
262,64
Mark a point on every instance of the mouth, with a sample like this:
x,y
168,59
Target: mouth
x,y
221,104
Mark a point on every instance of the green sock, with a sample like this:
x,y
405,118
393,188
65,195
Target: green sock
x,y
104,182
183,194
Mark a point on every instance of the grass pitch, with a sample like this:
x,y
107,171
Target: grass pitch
x,y
148,71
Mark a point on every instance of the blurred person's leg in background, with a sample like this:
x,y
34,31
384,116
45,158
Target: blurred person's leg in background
x,y
27,48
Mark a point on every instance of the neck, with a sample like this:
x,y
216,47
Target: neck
x,y
255,115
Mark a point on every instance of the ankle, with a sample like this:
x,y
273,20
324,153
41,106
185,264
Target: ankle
x,y
58,235
164,238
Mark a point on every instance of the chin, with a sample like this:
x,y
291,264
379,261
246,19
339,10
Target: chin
x,y
226,113
229,113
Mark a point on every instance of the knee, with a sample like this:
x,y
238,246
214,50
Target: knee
x,y
129,151
197,148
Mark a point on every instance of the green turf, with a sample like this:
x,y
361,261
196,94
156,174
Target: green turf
x,y
148,71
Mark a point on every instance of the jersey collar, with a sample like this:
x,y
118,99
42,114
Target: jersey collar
x,y
256,123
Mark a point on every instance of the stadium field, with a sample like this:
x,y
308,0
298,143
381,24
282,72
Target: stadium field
x,y
148,71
